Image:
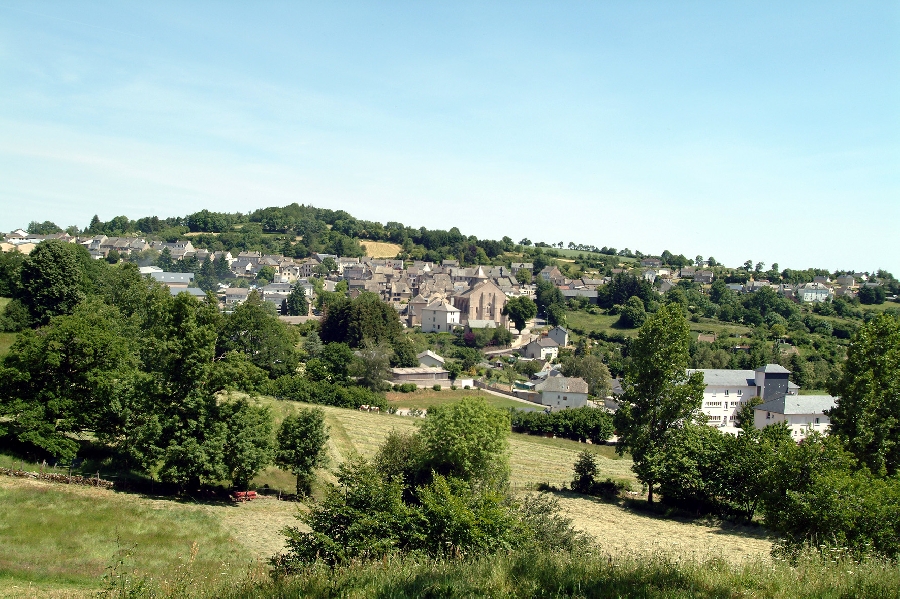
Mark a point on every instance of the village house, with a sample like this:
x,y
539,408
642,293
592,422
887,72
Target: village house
x,y
439,317
552,274
429,358
563,392
560,335
814,292
542,348
235,296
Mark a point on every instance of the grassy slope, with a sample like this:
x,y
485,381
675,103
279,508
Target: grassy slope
x,y
55,535
537,459
43,523
424,399
599,576
6,339
380,249
606,322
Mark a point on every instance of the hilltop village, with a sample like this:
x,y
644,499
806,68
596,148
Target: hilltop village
x,y
470,301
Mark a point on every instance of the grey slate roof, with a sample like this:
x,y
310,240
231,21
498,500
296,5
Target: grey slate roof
x,y
431,355
798,404
773,368
172,277
562,384
439,306
723,377
189,290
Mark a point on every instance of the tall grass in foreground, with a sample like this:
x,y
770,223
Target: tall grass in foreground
x,y
56,535
542,574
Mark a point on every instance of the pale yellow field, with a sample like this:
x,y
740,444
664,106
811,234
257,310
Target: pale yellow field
x,y
619,530
616,528
380,249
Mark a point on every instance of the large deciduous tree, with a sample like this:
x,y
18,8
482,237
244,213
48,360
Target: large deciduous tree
x,y
372,365
365,317
53,279
254,329
249,447
301,446
468,440
633,313
65,377
659,396
594,372
867,414
183,437
520,310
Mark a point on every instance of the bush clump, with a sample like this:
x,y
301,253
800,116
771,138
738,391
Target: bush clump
x,y
441,492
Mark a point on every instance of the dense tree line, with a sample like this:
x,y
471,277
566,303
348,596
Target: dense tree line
x,y
140,370
577,424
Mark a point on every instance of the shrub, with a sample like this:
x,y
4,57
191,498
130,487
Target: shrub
x,y
436,387
585,471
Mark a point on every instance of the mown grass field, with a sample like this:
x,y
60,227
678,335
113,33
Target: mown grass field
x,y
380,249
57,537
607,323
6,339
424,399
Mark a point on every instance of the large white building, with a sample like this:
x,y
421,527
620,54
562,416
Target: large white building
x,y
802,413
727,390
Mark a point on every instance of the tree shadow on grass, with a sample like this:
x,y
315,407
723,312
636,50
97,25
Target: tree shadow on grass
x,y
661,511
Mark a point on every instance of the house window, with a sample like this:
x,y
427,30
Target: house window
x,y
740,392
713,393
817,421
726,392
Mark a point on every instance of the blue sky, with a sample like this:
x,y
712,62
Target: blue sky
x,y
761,131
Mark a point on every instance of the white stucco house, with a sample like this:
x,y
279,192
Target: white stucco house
x,y
439,317
543,348
802,413
563,392
814,292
